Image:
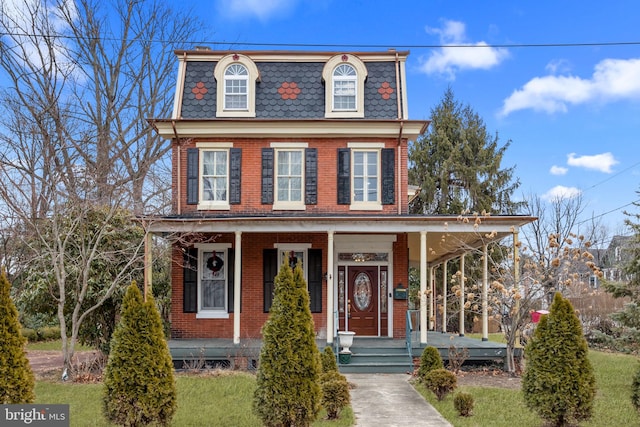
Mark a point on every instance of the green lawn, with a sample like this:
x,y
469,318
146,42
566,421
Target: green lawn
x,y
223,400
226,400
498,407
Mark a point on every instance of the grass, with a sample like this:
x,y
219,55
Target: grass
x,y
223,400
499,407
54,345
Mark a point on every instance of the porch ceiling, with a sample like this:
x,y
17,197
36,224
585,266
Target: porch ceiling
x,y
447,236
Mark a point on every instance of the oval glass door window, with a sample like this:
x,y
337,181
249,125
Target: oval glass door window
x,y
362,292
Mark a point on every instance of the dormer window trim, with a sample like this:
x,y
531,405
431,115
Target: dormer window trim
x,y
331,78
223,73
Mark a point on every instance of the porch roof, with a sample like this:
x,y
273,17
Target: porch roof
x,y
448,236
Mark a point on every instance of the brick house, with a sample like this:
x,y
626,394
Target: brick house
x,y
286,156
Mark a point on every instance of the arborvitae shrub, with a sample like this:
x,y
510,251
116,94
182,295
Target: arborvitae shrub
x,y
138,380
558,382
16,377
335,393
328,358
429,360
441,382
288,379
463,402
635,390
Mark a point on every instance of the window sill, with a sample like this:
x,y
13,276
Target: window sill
x,y
212,315
365,207
213,207
289,207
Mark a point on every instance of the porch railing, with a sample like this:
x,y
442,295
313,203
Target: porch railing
x,y
409,333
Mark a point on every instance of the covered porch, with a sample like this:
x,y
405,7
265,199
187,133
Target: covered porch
x,y
431,242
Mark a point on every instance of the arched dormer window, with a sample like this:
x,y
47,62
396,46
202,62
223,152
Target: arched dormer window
x,y
345,82
236,84
344,77
236,76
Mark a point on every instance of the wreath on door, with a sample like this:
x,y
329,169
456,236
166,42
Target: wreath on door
x,y
215,263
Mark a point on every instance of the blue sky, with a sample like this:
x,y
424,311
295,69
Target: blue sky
x,y
570,107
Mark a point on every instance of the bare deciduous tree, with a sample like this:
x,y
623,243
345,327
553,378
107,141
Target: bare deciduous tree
x,y
79,81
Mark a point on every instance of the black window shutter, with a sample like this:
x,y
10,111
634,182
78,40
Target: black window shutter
x,y
192,175
190,281
235,166
344,176
311,176
230,279
267,176
388,176
314,274
270,271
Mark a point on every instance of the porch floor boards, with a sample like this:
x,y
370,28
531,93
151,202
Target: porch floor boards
x,y
190,353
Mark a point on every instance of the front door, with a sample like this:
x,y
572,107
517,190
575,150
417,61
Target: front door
x,y
362,302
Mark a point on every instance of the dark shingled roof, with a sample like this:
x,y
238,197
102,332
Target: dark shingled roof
x,y
199,96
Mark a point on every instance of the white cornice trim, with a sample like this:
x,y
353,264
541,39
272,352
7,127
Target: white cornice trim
x,y
290,56
255,128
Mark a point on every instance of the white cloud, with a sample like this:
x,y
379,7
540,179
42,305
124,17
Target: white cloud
x,y
612,79
560,192
599,162
462,55
261,9
558,170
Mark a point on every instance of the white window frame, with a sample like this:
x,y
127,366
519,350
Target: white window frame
x,y
253,76
204,248
298,248
345,88
289,147
212,204
236,87
329,77
366,204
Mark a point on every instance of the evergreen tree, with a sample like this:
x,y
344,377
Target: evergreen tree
x,y
429,360
559,382
16,378
624,334
138,380
457,165
288,377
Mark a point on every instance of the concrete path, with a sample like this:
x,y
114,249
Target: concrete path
x,y
388,400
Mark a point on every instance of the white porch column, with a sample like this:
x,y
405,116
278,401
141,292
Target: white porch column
x,y
330,303
432,300
423,287
462,302
237,287
485,296
444,297
516,276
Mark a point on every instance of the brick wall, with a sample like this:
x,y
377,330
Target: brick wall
x,y
251,175
185,325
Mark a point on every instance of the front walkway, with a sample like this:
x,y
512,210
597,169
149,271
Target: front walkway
x,y
389,400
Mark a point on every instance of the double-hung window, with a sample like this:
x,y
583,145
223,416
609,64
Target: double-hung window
x,y
289,176
366,175
215,168
289,172
214,269
236,86
214,178
344,88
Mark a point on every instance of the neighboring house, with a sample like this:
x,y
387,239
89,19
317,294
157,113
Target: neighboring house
x,y
287,156
614,259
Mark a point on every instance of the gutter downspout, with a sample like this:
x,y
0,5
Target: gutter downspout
x,y
399,108
178,169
